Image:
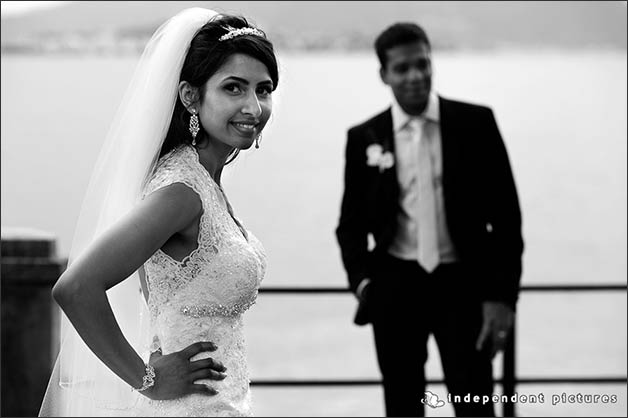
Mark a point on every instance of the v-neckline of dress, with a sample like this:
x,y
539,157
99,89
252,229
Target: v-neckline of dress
x,y
226,205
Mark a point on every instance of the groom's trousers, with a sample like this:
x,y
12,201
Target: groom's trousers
x,y
407,305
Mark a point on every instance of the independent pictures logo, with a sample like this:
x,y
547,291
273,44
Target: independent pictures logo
x,y
431,399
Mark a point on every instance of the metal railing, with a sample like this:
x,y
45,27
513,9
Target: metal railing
x,y
509,379
29,270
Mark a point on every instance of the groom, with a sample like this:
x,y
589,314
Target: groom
x,y
430,232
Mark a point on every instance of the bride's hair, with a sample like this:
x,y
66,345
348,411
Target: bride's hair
x,y
206,55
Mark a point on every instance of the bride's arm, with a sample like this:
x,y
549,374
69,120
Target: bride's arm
x,y
81,290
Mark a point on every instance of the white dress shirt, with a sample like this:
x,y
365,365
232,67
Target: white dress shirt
x,y
405,242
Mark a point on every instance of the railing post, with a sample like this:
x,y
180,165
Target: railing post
x,y
29,270
509,374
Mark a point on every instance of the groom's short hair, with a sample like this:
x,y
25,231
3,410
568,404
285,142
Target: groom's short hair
x,y
398,34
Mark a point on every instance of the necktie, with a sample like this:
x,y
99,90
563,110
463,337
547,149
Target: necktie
x,y
427,223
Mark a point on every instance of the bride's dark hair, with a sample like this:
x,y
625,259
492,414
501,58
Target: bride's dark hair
x,y
205,56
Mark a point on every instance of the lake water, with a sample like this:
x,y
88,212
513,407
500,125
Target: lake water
x,y
563,118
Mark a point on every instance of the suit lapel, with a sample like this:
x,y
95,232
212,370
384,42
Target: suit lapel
x,y
382,134
450,146
384,188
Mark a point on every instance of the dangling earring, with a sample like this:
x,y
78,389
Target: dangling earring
x,y
257,141
194,126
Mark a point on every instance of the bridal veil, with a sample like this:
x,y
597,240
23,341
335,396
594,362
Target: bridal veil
x,y
81,385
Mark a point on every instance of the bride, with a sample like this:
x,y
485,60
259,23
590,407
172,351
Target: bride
x,y
161,270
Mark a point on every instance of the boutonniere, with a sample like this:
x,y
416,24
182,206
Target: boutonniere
x,y
376,157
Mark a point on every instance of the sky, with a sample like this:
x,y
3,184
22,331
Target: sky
x,y
10,8
19,7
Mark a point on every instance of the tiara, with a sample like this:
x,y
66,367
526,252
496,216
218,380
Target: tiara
x,y
233,33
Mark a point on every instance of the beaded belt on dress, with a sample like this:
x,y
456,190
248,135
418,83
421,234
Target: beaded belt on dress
x,y
197,311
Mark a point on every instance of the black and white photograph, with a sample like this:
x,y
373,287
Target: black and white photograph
x,y
314,208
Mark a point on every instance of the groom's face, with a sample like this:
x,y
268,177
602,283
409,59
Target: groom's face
x,y
408,72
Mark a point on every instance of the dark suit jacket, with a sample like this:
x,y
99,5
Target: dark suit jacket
x,y
481,202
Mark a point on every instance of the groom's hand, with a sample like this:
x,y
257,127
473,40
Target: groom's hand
x,y
362,294
498,319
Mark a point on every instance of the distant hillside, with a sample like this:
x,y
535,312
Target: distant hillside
x,y
104,25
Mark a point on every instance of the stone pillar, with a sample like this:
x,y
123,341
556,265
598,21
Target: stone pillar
x,y
29,270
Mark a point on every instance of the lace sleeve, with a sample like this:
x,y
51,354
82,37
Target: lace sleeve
x,y
171,168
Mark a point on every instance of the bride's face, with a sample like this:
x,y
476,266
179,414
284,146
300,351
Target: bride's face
x,y
237,102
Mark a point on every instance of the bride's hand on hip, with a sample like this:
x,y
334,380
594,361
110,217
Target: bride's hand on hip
x,y
175,373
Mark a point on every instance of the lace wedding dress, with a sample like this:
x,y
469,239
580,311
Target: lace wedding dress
x,y
203,297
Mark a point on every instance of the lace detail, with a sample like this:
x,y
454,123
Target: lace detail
x,y
203,296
